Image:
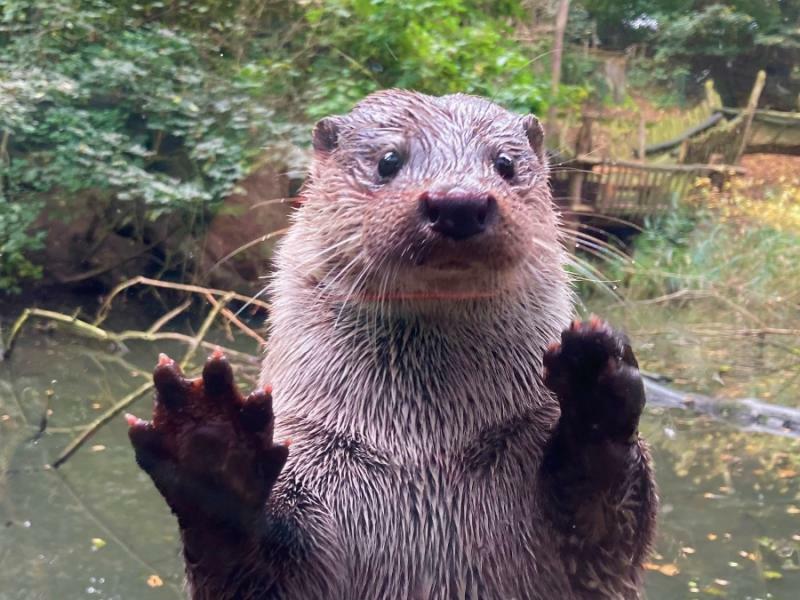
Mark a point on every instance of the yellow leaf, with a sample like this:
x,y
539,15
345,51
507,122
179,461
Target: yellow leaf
x,y
98,543
669,569
154,581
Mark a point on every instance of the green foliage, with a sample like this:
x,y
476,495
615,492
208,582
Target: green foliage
x,y
97,99
15,243
717,31
157,108
747,262
729,45
345,49
693,40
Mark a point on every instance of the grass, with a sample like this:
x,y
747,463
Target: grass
x,y
711,292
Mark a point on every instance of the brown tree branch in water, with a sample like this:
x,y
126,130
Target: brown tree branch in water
x,y
167,317
154,333
235,320
195,289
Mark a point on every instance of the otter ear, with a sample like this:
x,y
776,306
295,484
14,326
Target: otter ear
x,y
325,137
535,133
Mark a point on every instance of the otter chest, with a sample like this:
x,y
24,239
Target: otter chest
x,y
465,524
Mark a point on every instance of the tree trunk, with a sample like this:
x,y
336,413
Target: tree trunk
x,y
558,50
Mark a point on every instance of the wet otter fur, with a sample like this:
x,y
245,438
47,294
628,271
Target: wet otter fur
x,y
453,435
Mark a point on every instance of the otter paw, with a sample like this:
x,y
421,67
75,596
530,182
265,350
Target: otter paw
x,y
208,450
595,377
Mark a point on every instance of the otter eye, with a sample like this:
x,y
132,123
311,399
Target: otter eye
x,y
389,164
504,167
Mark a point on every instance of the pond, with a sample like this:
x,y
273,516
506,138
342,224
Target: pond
x,y
96,528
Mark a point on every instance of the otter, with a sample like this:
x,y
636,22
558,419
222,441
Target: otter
x,y
453,433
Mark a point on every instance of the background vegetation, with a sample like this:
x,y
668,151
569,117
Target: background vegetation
x,y
141,116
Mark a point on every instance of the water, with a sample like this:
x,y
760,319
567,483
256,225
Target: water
x,y
96,528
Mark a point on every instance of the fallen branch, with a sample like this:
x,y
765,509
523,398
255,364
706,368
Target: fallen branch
x,y
93,332
235,320
95,425
746,414
184,287
81,327
166,318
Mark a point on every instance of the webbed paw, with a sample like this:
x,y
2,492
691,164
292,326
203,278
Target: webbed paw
x,y
208,450
595,376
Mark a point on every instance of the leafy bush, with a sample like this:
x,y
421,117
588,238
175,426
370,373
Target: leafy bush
x,y
738,246
16,243
345,49
729,45
158,108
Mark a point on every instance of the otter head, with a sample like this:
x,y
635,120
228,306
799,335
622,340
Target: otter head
x,y
418,198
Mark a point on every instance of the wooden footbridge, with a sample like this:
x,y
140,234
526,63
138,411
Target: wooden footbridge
x,y
627,189
710,145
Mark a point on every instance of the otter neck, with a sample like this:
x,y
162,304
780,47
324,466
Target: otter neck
x,y
409,382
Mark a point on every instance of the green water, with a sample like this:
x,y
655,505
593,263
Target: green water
x,y
96,528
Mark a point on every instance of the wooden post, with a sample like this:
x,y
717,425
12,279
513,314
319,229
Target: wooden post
x,y
749,112
712,97
558,49
583,146
642,136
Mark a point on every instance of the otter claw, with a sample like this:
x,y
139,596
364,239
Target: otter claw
x,y
171,387
218,375
256,412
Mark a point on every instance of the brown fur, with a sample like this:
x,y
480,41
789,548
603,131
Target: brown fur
x,y
427,459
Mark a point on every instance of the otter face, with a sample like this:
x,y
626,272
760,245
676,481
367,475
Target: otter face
x,y
417,195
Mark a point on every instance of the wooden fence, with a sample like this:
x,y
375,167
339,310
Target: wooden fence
x,y
628,189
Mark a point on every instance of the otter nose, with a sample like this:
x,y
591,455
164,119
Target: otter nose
x,y
458,214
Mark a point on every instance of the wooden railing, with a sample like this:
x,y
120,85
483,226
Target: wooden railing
x,y
628,189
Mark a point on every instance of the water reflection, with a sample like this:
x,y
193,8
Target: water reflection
x,y
96,528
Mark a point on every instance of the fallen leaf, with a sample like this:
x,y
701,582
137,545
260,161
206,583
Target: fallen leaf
x,y
154,581
669,569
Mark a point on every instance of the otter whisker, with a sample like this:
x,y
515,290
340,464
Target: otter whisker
x,y
327,250
250,244
358,281
326,285
609,251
